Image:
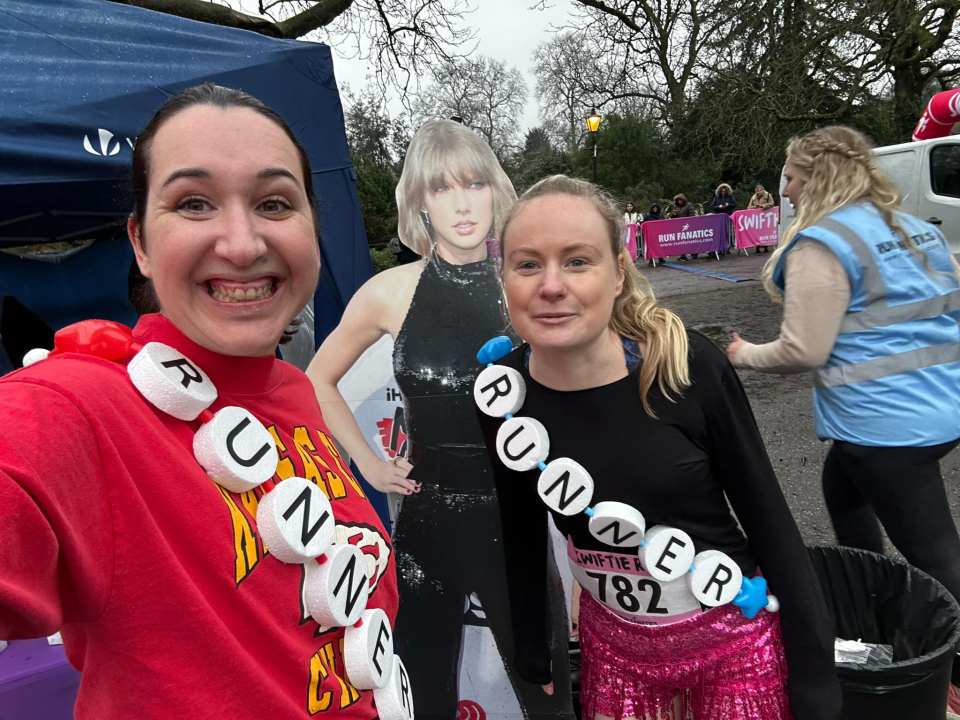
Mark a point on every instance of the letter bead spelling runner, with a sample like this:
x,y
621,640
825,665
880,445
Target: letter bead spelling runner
x,y
566,487
294,517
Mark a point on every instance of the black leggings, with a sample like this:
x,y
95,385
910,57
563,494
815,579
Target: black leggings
x,y
903,489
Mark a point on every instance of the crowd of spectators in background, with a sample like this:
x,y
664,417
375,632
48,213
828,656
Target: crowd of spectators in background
x,y
723,202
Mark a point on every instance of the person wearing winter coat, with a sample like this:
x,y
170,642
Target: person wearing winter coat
x,y
631,216
760,200
723,200
724,203
682,208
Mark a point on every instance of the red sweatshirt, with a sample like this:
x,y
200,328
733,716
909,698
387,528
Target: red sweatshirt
x,y
167,600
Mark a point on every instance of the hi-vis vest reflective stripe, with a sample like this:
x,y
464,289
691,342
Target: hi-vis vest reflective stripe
x,y
890,365
893,375
879,313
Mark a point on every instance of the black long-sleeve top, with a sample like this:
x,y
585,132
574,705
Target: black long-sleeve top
x,y
679,469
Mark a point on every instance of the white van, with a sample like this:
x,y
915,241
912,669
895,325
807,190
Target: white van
x,y
927,174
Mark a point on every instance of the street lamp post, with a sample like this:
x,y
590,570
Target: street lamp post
x,y
593,121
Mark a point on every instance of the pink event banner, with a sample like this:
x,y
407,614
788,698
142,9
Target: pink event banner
x,y
630,241
755,227
678,236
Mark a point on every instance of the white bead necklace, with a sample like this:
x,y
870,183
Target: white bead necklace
x,y
295,518
566,487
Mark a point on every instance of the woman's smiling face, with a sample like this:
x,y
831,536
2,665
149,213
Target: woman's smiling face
x,y
227,237
560,276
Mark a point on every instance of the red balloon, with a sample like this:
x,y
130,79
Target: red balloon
x,y
104,338
942,113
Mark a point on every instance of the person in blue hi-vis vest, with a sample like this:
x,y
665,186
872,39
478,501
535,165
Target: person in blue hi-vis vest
x,y
871,303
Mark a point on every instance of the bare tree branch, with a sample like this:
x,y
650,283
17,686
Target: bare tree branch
x,y
318,15
403,39
487,94
658,42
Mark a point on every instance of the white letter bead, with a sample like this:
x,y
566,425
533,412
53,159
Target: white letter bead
x,y
668,553
715,579
336,591
394,700
170,382
565,486
295,521
522,443
617,524
34,356
499,390
236,450
368,650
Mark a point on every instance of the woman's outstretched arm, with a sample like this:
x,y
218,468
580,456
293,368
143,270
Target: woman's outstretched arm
x,y
362,324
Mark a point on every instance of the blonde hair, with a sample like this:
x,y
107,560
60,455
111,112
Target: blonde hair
x,y
837,165
635,314
443,149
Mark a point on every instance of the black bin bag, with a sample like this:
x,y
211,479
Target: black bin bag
x,y
880,600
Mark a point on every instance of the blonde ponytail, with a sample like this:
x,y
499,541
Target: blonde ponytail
x,y
661,333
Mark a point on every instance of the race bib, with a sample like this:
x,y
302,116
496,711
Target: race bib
x,y
619,581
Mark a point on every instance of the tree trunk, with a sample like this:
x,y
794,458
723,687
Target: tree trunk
x,y
907,99
905,59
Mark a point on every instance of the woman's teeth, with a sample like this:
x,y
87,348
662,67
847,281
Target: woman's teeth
x,y
236,295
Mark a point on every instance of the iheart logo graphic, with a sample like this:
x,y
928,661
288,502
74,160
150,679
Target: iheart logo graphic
x,y
393,434
470,710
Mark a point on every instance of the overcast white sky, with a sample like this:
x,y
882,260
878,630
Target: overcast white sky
x,y
506,30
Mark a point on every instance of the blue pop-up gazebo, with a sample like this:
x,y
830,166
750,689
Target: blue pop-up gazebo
x,y
78,80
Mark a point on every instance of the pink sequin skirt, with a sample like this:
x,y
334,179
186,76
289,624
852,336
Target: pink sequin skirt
x,y
715,666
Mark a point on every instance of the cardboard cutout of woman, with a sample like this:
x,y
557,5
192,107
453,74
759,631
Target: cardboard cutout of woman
x,y
451,196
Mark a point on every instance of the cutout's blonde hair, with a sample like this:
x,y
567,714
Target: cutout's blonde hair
x,y
838,166
443,149
635,314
